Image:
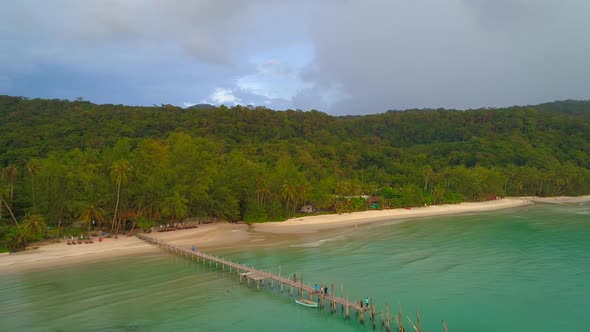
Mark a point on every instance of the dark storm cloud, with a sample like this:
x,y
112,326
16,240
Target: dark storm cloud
x,y
401,54
348,56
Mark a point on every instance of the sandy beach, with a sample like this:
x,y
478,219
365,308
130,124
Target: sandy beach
x,y
57,254
315,223
225,235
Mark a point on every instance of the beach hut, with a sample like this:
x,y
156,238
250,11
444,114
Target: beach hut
x,y
308,208
374,202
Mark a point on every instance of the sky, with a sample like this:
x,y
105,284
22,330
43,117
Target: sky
x,y
336,56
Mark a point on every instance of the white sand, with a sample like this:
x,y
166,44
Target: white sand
x,y
57,254
314,223
213,236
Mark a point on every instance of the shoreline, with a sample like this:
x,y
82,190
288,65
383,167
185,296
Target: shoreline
x,y
240,236
329,221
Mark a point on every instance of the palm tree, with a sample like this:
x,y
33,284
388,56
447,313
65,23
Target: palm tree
x,y
11,173
33,226
428,174
1,193
289,192
3,202
33,167
92,212
119,172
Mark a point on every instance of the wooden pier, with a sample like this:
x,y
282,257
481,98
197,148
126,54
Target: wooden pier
x,y
260,278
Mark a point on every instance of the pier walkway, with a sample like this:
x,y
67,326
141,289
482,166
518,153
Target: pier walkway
x,y
261,277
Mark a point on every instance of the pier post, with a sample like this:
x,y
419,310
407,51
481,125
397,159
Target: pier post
x,y
280,282
347,309
400,320
342,296
372,307
333,304
387,319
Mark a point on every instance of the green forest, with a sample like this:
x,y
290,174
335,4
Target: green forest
x,y
68,163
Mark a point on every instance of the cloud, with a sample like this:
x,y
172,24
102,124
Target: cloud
x,y
224,96
403,54
273,79
153,52
342,57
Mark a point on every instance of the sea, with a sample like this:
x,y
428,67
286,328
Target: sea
x,y
524,269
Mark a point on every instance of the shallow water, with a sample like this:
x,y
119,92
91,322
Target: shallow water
x,y
525,269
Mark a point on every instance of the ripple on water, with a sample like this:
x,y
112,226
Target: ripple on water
x,y
470,269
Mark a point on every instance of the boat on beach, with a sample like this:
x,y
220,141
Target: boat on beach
x,y
307,303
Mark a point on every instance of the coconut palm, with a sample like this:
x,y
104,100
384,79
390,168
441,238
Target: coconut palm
x,y
3,202
92,211
119,172
10,172
289,192
33,167
428,175
33,226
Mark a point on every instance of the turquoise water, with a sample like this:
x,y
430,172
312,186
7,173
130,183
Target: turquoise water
x,y
525,269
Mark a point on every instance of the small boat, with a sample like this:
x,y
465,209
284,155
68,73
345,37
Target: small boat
x,y
307,303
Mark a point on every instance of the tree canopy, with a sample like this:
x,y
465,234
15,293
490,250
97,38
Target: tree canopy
x,y
65,161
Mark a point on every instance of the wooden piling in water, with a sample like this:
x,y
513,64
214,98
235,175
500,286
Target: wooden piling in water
x,y
347,309
387,319
372,312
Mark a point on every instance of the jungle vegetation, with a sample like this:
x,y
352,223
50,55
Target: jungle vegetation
x,y
74,161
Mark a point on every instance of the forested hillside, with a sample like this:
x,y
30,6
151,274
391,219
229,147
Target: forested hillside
x,y
66,161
